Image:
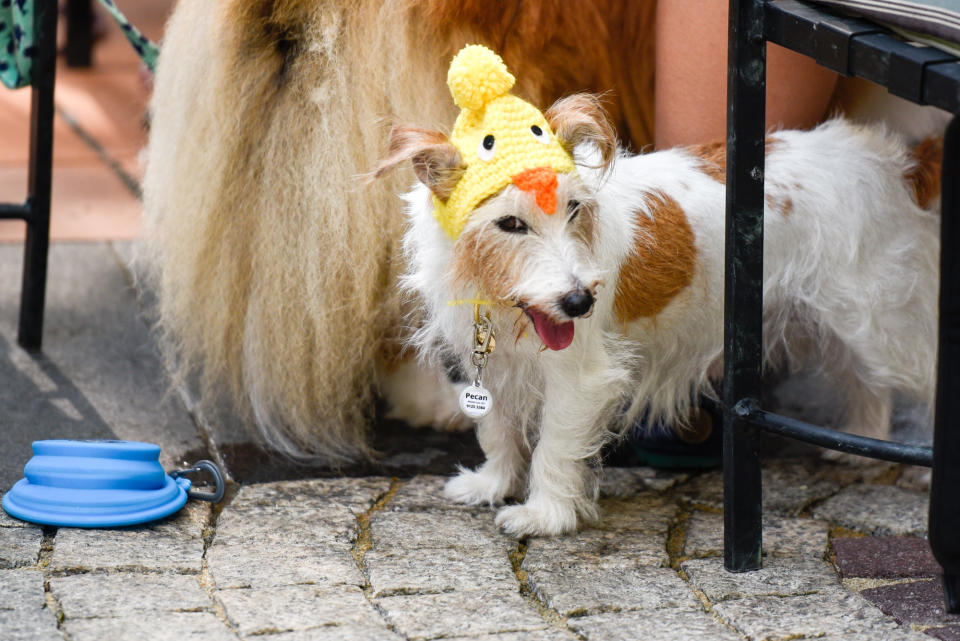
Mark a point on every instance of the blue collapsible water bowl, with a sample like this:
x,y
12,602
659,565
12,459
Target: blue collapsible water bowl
x,y
95,484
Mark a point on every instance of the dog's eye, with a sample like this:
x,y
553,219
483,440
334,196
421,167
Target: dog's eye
x,y
573,208
512,225
488,147
540,134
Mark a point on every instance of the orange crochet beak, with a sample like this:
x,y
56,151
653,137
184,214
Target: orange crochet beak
x,y
542,182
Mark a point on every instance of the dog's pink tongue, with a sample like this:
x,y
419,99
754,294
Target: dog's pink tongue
x,y
556,336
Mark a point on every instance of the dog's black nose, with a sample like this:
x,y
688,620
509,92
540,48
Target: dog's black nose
x,y
577,303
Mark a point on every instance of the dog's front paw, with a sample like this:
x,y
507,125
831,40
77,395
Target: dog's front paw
x,y
540,518
481,487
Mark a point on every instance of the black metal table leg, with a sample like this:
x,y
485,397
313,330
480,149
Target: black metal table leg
x,y
944,496
746,87
33,293
79,46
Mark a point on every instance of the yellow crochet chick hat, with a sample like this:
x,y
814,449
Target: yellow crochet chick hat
x,y
501,139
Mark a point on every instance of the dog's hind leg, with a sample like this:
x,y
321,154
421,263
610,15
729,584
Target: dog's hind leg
x,y
501,475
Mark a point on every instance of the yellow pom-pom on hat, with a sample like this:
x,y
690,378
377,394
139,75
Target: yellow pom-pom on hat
x,y
501,139
477,76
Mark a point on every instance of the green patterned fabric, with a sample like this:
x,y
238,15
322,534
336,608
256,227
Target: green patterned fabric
x,y
17,40
147,51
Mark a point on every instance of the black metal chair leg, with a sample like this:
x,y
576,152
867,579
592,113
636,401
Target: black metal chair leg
x,y
944,497
33,292
746,87
79,46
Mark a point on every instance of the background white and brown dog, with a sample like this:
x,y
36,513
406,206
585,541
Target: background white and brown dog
x,y
626,290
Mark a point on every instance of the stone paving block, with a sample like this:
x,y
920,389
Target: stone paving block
x,y
262,565
597,548
84,596
348,632
297,607
788,487
126,549
29,624
434,571
578,591
649,513
330,526
837,613
625,482
877,509
780,576
174,626
356,494
782,536
475,613
21,588
19,546
549,634
658,625
948,633
390,530
913,602
425,492
884,557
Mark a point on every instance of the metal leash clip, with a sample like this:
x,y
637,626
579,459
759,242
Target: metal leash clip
x,y
219,485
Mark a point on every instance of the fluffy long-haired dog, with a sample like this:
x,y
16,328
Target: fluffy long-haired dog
x,y
604,281
275,268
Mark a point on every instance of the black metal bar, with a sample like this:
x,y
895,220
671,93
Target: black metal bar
x,y
833,439
14,211
79,46
33,292
746,89
857,48
944,528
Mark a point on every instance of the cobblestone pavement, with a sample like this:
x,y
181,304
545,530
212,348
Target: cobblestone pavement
x,y
383,556
377,558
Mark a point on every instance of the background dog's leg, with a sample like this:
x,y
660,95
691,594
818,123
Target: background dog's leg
x,y
501,475
868,413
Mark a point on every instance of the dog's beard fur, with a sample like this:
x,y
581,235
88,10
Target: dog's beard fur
x,y
274,265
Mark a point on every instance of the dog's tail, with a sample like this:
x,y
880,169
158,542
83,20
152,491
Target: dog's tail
x,y
924,175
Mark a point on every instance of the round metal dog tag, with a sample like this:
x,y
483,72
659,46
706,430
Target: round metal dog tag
x,y
475,402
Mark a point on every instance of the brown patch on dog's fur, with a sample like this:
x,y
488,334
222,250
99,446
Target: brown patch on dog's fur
x,y
488,261
784,206
924,177
662,263
714,156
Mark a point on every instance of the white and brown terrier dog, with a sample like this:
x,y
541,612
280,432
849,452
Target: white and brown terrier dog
x,y
624,286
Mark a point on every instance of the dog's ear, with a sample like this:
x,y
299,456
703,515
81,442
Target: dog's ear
x,y
436,162
581,118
